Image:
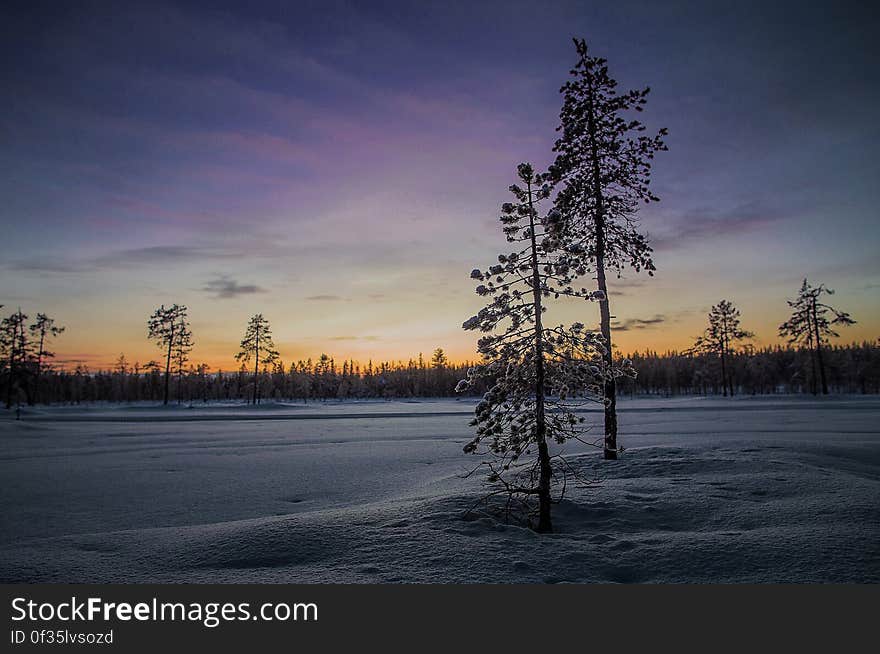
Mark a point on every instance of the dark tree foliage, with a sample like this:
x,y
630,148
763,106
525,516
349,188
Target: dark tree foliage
x,y
602,175
24,355
438,359
811,324
182,349
42,331
539,374
853,368
16,351
721,337
170,329
257,345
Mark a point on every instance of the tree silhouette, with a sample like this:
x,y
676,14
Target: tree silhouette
x,y
43,330
535,374
182,348
811,325
16,349
603,171
257,345
720,338
169,328
439,359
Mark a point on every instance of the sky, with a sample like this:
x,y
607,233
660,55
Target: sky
x,y
338,166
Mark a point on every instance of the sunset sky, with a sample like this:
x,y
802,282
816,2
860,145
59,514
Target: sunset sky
x,y
338,166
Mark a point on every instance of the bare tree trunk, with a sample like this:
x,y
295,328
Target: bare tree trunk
x,y
610,450
545,524
39,365
723,372
814,380
610,389
730,374
11,371
167,370
256,364
12,368
819,350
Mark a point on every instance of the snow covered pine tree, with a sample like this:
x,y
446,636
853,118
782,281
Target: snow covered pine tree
x,y
603,165
537,376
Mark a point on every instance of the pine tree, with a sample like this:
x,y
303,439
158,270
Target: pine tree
x,y
811,325
15,349
182,349
536,374
257,345
169,328
43,330
439,359
603,171
720,338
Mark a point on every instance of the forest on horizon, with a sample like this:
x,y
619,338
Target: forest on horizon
x,y
852,368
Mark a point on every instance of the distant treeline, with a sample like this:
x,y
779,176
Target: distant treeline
x,y
851,368
322,379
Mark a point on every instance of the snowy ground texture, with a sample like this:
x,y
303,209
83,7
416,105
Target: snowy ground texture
x,y
709,490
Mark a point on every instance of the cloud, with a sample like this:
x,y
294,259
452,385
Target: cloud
x,y
325,298
700,224
637,323
45,266
122,259
226,288
160,254
615,286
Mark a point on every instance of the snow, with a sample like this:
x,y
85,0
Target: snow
x,y
773,489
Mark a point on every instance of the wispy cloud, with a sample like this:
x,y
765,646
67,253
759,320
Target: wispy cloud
x,y
638,323
121,259
226,288
44,265
706,224
325,298
616,286
161,254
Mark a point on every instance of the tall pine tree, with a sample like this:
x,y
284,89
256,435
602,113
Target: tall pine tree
x,y
602,173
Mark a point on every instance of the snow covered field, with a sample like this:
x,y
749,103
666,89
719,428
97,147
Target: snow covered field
x,y
709,490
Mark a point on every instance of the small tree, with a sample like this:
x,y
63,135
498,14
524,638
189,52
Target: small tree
x,y
535,374
257,345
170,329
439,359
720,338
43,330
603,171
811,325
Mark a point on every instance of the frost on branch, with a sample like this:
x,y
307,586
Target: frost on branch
x,y
538,377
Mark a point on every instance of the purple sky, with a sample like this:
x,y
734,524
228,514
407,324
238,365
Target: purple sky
x,y
339,166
